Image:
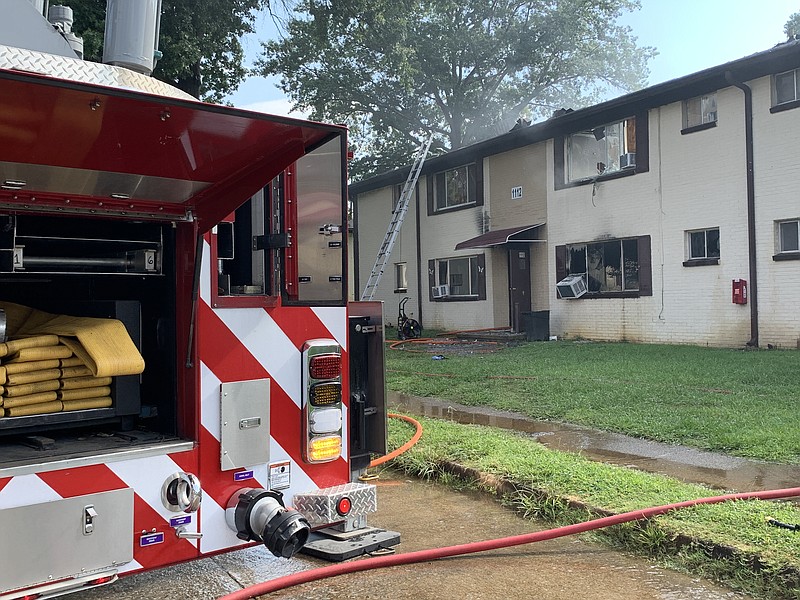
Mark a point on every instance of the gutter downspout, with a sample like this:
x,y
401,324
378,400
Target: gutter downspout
x,y
751,205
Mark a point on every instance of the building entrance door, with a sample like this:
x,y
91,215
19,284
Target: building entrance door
x,y
519,283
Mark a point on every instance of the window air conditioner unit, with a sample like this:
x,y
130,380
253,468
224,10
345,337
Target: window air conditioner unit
x,y
572,286
440,291
627,161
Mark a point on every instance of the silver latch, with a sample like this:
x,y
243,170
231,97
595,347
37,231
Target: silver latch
x,y
185,534
89,515
250,423
330,229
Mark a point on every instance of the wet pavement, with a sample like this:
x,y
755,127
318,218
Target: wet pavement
x,y
430,515
688,464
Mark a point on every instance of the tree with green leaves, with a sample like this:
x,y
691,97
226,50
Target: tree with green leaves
x,y
792,27
467,70
199,39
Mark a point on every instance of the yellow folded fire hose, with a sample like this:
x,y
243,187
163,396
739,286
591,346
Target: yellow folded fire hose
x,y
102,344
57,363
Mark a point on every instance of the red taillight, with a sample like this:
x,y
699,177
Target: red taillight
x,y
31,597
325,366
343,506
100,580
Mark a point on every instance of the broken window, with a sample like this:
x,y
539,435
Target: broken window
x,y
601,150
608,266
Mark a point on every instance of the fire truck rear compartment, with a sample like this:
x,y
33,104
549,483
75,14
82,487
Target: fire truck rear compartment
x,y
96,268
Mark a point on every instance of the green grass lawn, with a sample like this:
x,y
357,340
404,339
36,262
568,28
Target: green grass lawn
x,y
729,542
744,403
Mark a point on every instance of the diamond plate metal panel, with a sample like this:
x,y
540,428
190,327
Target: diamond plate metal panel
x,y
319,506
75,69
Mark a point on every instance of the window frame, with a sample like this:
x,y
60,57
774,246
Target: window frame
x,y
779,106
705,122
441,188
477,287
471,285
401,277
706,259
644,267
626,145
560,166
780,252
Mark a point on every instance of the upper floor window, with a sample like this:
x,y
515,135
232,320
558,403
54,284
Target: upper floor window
x,y
605,149
397,191
787,87
456,187
700,111
789,236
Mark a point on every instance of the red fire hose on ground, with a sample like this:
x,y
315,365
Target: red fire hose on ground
x,y
528,538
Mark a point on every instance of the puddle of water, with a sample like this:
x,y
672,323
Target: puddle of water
x,y
695,466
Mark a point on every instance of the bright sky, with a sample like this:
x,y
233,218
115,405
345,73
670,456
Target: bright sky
x,y
690,35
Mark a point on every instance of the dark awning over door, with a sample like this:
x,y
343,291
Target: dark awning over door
x,y
498,237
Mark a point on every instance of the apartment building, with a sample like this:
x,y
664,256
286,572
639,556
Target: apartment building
x,y
671,215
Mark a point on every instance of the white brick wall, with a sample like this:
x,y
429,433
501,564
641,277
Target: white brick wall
x,y
695,181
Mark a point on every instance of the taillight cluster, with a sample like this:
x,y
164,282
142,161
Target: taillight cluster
x,y
322,401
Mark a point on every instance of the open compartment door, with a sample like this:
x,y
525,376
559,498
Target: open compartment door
x,y
368,414
77,147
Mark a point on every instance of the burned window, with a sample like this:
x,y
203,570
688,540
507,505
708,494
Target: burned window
x,y
602,150
608,266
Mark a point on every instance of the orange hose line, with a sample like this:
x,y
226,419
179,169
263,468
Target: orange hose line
x,y
395,453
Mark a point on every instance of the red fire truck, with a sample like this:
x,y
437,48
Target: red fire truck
x,y
217,237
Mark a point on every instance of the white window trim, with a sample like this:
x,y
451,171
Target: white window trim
x,y
401,277
704,231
